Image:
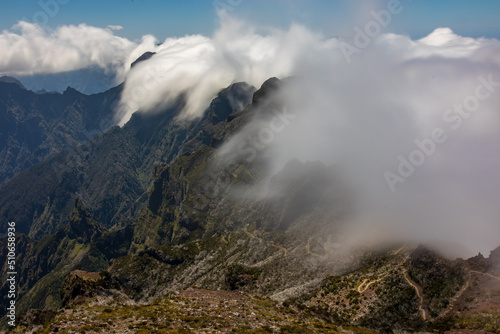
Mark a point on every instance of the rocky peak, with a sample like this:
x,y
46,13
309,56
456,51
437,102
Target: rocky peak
x,y
267,89
143,57
71,92
495,256
80,284
82,225
232,98
12,80
478,263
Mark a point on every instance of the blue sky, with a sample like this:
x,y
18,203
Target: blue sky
x,y
167,18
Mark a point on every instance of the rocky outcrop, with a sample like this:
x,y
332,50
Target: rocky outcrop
x,y
494,257
268,88
79,285
43,264
478,263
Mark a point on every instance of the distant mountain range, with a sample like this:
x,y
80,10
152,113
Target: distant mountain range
x,y
37,126
87,81
153,227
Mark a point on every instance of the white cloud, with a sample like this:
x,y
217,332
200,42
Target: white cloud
x,y
30,49
202,66
115,27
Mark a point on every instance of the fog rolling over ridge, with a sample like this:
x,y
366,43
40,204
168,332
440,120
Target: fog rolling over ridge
x,y
412,124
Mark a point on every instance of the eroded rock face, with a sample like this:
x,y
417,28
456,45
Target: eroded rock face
x,y
479,263
82,284
495,257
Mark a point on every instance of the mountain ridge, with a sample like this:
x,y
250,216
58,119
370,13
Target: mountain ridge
x,y
127,155
35,127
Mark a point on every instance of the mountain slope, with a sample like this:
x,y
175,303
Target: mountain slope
x,y
174,233
206,215
34,127
413,289
111,171
43,274
190,311
43,264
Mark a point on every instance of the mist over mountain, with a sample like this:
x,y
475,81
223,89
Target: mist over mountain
x,y
315,184
400,116
215,222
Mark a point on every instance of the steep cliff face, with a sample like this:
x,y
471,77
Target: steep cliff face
x,y
113,170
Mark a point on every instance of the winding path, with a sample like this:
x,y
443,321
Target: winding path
x,y
280,247
458,295
251,235
364,285
398,250
361,285
419,294
485,274
308,249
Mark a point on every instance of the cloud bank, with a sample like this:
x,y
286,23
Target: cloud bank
x,y
412,124
414,127
200,66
